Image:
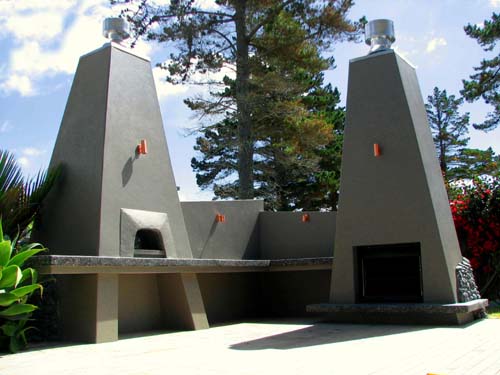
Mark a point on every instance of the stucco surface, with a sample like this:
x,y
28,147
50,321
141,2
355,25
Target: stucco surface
x,y
398,197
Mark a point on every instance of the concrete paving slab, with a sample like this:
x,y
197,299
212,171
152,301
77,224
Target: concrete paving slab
x,y
279,347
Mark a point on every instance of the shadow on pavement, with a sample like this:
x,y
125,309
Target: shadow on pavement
x,y
324,333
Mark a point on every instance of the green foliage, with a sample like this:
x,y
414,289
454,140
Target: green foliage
x,y
17,285
20,199
485,82
242,36
493,312
449,129
473,163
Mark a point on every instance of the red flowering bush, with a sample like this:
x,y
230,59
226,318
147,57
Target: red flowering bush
x,y
476,213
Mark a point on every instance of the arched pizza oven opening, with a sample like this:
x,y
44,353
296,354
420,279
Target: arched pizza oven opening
x,y
148,243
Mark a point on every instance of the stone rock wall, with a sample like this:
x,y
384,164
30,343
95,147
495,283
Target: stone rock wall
x,y
466,285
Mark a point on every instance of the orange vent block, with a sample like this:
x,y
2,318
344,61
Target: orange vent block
x,y
142,148
306,218
220,218
376,150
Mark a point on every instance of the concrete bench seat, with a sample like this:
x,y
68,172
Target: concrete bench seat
x,y
69,264
102,296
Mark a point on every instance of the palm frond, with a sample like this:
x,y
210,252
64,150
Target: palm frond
x,y
20,200
10,172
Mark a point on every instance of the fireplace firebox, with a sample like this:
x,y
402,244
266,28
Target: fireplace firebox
x,y
389,273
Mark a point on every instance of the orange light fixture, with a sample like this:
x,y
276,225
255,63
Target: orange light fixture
x,y
220,218
306,218
376,150
142,147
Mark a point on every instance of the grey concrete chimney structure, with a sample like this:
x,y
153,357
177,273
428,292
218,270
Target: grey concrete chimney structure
x,y
396,250
392,190
116,190
112,106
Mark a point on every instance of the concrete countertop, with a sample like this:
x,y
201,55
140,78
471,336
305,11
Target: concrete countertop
x,y
73,264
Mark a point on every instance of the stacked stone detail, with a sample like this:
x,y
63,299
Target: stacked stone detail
x,y
466,285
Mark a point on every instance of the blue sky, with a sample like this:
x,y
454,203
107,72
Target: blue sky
x,y
41,41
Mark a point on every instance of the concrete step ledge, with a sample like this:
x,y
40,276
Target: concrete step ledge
x,y
451,308
402,313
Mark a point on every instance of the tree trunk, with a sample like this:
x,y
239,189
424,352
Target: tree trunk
x,y
245,139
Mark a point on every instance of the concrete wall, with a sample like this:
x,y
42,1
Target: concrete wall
x,y
236,238
69,220
237,296
284,235
231,296
286,294
88,307
159,301
144,182
251,233
138,304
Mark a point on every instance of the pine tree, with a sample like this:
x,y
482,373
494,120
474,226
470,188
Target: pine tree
x,y
293,120
449,128
485,82
232,34
473,163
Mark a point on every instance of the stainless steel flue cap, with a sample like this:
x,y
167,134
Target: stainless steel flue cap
x,y
115,29
379,35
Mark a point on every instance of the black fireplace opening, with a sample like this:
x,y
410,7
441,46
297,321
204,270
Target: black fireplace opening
x,y
148,243
389,273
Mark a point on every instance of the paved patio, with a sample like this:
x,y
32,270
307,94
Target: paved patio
x,y
279,347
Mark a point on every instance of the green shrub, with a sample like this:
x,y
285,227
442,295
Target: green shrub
x,y
17,284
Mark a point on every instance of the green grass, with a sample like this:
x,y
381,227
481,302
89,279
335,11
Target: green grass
x,y
493,312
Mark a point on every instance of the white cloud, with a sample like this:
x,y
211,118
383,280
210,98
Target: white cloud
x,y
200,82
24,162
43,47
32,160
32,151
16,6
49,36
495,3
18,83
5,127
434,43
192,193
38,26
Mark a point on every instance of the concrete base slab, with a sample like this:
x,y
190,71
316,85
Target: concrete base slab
x,y
279,347
403,313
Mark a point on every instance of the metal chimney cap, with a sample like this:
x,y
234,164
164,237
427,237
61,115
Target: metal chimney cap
x,y
379,34
115,28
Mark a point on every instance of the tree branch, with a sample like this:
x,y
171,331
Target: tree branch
x,y
273,13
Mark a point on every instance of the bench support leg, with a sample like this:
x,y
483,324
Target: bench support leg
x,y
181,301
89,307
